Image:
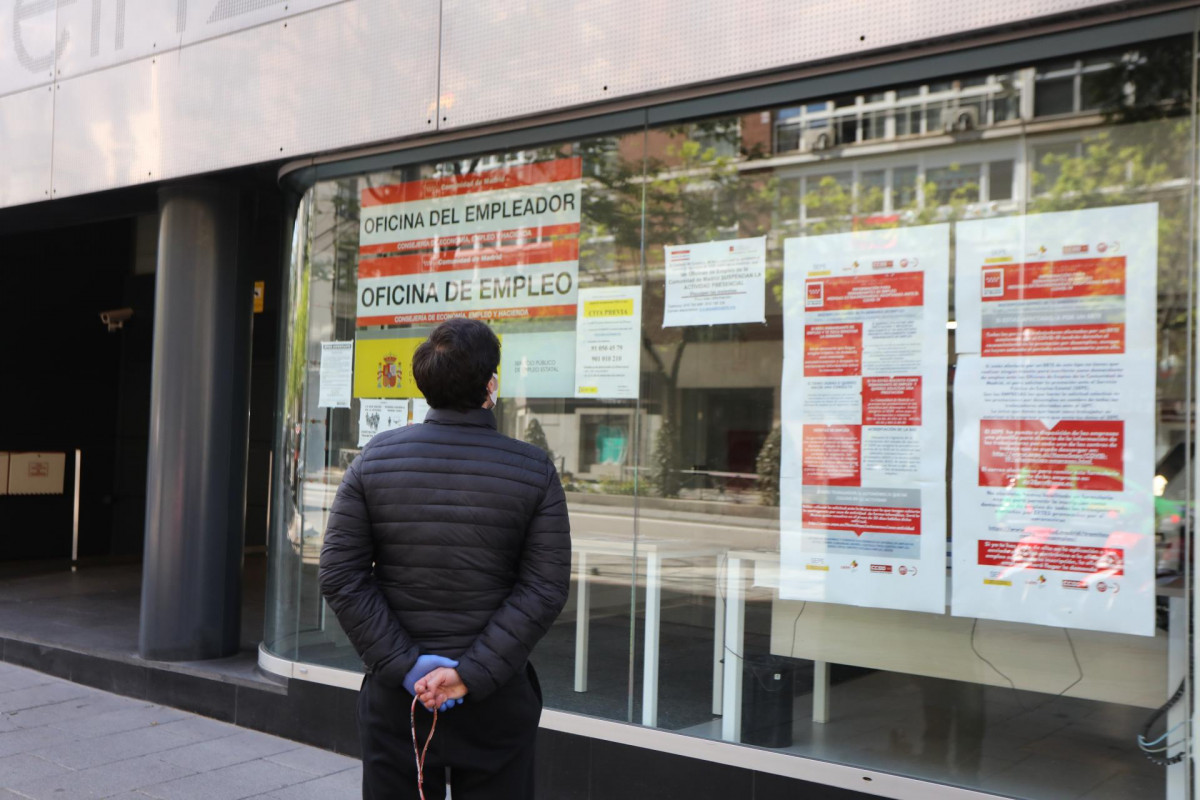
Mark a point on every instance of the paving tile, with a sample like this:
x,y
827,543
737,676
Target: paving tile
x,y
339,786
43,695
26,740
98,750
201,729
311,759
25,767
80,708
14,678
132,715
102,781
230,783
223,752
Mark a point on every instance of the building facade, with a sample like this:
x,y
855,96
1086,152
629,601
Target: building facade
x,y
862,338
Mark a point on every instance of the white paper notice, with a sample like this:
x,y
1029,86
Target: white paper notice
x,y
420,407
715,283
337,374
538,364
37,473
862,482
1054,409
608,343
377,416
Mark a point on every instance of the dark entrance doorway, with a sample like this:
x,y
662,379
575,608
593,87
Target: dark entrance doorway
x,y
70,383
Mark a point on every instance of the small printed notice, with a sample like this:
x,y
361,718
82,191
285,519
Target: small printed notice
x,y
862,480
337,374
715,283
377,416
420,407
37,473
538,364
608,342
1054,408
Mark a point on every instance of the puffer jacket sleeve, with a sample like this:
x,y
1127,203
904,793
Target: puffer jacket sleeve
x,y
348,583
543,581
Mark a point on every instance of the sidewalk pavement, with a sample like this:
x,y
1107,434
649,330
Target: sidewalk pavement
x,y
63,741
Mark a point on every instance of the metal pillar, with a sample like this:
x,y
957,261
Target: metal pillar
x,y
196,485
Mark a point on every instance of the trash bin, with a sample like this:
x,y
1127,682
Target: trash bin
x,y
768,692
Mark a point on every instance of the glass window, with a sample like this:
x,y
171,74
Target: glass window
x,y
886,484
871,191
1000,180
905,188
957,183
1054,96
828,195
1047,163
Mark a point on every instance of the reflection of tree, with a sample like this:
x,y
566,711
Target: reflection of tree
x,y
1143,155
690,193
767,467
535,436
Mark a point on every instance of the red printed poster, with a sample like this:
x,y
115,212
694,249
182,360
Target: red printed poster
x,y
862,474
1054,405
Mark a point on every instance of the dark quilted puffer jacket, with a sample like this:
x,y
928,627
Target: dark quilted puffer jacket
x,y
448,538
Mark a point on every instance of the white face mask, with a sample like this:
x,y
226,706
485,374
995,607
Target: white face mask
x,y
493,389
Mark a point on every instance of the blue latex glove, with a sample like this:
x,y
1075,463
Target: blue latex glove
x,y
425,665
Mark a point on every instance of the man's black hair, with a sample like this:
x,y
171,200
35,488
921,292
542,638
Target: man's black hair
x,y
453,366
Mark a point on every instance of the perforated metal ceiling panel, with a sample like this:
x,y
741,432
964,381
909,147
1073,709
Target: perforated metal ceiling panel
x,y
352,73
505,60
343,75
94,35
25,125
155,89
108,126
27,44
208,18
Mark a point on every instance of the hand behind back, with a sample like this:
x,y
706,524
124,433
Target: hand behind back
x,y
441,686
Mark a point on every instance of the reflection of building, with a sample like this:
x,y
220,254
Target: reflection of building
x,y
692,123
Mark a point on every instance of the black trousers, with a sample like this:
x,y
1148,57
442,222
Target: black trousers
x,y
487,745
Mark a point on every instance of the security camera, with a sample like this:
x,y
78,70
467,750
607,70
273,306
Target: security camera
x,y
115,319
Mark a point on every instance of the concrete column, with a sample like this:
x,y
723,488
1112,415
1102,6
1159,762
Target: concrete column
x,y
196,488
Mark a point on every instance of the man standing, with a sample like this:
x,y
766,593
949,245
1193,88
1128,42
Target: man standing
x,y
446,558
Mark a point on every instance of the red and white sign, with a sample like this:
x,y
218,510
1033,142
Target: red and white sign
x,y
1079,455
1054,404
493,208
533,280
862,473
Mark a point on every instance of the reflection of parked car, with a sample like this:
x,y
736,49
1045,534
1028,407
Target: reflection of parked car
x,y
1172,515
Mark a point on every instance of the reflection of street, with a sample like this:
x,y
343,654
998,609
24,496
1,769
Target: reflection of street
x,y
316,500
691,575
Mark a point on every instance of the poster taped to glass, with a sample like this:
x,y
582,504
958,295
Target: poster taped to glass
x,y
714,283
608,344
1054,453
862,472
